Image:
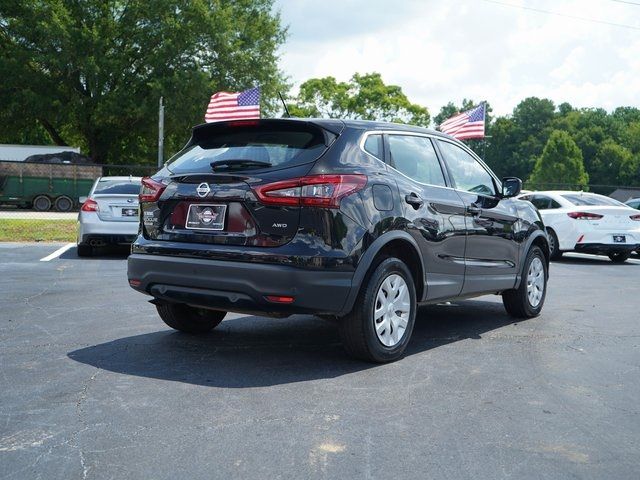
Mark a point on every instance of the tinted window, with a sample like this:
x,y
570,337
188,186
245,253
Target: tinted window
x,y
279,145
117,187
373,145
590,199
541,203
555,204
467,172
634,204
416,158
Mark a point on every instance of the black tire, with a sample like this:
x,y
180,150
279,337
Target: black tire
x,y
516,301
189,319
41,203
85,250
63,204
554,247
619,257
357,329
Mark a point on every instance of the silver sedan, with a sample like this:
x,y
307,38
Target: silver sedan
x,y
109,215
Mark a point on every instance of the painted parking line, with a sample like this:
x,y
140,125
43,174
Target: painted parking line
x,y
58,252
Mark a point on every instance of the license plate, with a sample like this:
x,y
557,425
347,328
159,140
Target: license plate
x,y
129,212
206,217
619,239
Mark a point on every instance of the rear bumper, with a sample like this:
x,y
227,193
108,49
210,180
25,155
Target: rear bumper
x,y
605,248
90,227
239,286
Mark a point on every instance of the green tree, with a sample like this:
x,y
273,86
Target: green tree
x,y
90,73
560,163
364,97
609,161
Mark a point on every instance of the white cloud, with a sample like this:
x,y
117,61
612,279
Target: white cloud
x,y
446,51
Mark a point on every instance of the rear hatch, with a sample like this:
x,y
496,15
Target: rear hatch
x,y
613,218
209,192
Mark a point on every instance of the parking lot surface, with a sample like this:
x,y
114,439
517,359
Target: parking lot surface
x,y
93,385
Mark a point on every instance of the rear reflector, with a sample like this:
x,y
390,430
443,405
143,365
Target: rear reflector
x,y
580,239
584,216
279,299
151,190
311,191
90,206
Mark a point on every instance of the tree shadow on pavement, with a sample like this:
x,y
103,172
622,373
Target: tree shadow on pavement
x,y
256,351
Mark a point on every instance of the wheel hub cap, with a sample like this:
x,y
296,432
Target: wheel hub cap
x,y
535,282
392,310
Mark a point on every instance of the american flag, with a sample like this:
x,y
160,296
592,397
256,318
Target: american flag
x,y
466,125
233,106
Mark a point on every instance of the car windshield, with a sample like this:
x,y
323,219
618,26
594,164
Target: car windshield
x,y
591,199
117,187
271,146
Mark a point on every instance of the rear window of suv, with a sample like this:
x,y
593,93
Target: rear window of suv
x,y
279,145
590,199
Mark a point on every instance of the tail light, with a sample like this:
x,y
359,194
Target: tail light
x,y
635,217
312,191
90,206
584,216
151,190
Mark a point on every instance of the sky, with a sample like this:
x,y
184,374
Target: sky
x,y
446,50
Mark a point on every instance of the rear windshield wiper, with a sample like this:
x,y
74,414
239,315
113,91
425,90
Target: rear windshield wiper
x,y
238,163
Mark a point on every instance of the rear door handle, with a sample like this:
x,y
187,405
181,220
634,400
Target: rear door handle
x,y
414,200
474,209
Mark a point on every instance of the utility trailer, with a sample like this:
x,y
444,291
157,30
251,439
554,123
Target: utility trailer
x,y
43,186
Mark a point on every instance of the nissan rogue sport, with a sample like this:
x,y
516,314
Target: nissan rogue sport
x,y
353,220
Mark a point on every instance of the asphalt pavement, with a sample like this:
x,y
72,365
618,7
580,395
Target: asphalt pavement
x,y
93,385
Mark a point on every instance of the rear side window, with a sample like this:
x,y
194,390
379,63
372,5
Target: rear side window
x,y
278,145
373,145
467,172
416,158
117,187
590,199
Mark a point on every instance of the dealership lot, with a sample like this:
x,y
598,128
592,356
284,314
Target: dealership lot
x,y
93,385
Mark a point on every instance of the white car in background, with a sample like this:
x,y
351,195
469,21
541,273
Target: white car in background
x,y
109,215
587,223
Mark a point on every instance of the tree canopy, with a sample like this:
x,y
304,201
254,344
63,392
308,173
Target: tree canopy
x,y
91,73
560,163
364,97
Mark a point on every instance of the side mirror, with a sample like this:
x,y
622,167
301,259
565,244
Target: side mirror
x,y
511,186
81,200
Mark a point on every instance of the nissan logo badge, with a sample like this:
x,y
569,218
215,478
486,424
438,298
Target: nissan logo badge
x,y
203,189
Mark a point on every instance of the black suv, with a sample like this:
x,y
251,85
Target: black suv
x,y
352,220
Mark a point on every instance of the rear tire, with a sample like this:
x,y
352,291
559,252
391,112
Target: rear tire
x,y
554,247
188,319
85,251
63,204
518,301
619,257
41,203
389,289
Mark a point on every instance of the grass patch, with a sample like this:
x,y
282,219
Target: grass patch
x,y
27,230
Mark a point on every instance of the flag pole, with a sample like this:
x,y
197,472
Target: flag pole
x,y
160,133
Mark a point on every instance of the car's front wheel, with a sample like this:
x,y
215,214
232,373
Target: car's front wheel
x,y
379,327
188,319
527,300
619,257
554,247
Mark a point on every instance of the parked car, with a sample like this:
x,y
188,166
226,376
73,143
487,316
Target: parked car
x,y
357,221
109,215
588,223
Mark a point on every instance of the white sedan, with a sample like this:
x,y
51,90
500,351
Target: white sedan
x,y
587,223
